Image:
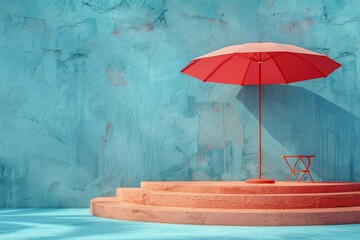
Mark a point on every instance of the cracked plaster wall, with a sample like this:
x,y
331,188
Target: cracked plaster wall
x,y
91,97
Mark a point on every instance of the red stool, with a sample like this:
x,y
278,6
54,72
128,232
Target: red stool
x,y
300,158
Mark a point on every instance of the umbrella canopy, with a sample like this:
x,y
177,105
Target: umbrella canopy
x,y
259,64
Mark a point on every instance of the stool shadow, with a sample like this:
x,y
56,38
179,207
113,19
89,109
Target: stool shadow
x,y
306,123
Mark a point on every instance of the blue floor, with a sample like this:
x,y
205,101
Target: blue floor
x,y
51,223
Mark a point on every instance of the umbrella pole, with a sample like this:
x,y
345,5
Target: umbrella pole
x,y
260,180
259,129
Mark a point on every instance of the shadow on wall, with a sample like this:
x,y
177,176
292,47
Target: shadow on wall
x,y
305,123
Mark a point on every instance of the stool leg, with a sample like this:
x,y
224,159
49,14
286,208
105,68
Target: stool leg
x,y
302,176
309,162
306,169
288,179
292,172
297,178
296,163
311,177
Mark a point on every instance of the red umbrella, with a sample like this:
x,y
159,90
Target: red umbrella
x,y
259,64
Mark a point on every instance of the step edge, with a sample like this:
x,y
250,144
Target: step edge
x,y
240,194
218,210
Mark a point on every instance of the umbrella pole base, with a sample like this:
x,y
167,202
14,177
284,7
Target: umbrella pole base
x,y
260,180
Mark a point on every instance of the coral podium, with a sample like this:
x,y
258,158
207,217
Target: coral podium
x,y
234,203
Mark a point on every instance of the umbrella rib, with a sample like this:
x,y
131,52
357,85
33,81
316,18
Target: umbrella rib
x,y
275,55
217,67
243,55
324,75
248,66
246,71
188,66
282,74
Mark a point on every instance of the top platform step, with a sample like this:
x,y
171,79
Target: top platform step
x,y
237,187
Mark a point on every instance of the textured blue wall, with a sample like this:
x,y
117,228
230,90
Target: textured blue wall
x,y
92,98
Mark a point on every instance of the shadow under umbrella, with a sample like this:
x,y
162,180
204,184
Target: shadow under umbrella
x,y
306,123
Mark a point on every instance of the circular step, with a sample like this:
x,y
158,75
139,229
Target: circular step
x,y
232,187
238,201
230,217
234,203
